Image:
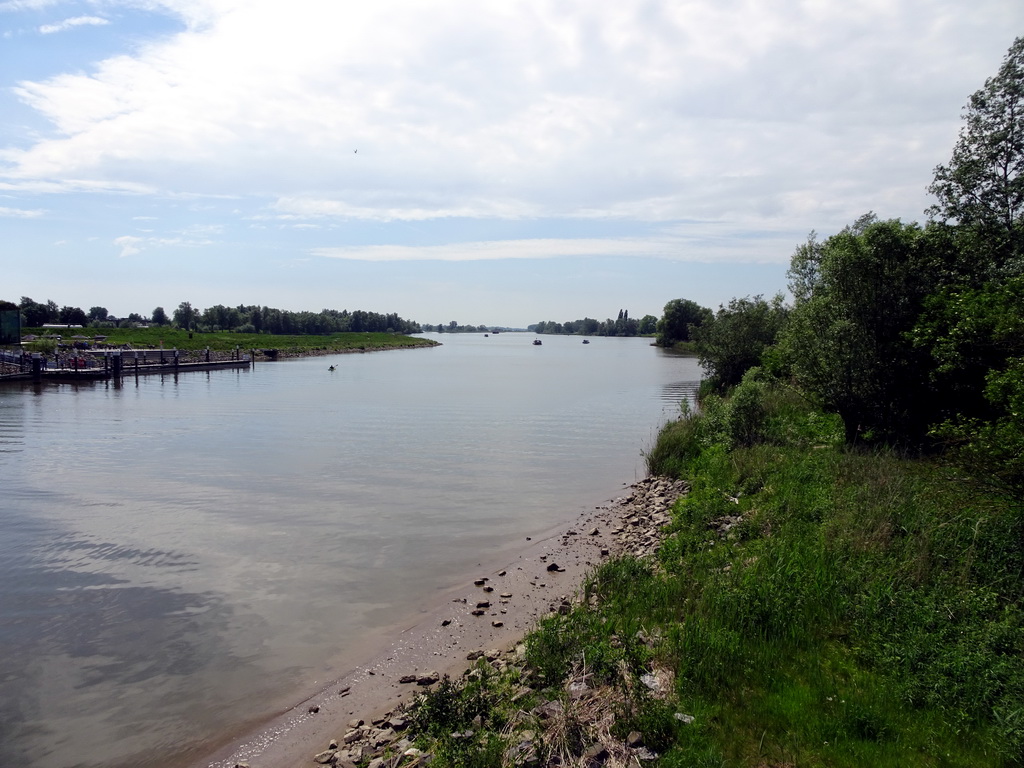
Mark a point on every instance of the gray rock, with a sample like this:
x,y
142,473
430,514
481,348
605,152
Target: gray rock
x,y
595,755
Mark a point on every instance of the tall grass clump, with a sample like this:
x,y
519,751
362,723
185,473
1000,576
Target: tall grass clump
x,y
758,411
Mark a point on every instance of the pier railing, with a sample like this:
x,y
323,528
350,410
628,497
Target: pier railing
x,y
111,363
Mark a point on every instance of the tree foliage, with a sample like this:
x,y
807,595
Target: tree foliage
x,y
734,340
679,317
858,295
982,186
623,325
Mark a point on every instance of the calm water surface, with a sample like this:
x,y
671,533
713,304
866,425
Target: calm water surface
x,y
181,557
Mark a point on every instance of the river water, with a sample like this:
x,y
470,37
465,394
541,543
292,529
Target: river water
x,y
180,557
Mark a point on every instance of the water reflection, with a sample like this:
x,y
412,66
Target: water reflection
x,y
678,392
87,653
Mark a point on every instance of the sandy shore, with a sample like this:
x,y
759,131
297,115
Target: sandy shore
x,y
547,570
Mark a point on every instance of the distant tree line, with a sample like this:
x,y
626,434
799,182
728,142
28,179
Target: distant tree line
x,y
240,319
623,325
913,334
453,327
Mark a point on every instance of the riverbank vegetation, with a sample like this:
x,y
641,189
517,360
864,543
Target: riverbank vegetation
x,y
811,604
170,337
244,319
623,325
842,584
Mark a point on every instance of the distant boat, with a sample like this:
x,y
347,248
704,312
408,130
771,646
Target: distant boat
x,y
485,335
536,342
586,341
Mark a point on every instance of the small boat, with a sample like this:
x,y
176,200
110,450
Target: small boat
x,y
536,342
586,341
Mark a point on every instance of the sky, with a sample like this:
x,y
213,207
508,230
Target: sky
x,y
483,161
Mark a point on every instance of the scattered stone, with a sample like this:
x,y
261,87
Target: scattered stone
x,y
497,624
313,709
548,710
684,719
595,755
407,679
553,567
428,678
326,758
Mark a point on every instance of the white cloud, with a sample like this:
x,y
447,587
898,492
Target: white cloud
x,y
76,21
129,245
411,110
132,245
696,242
20,213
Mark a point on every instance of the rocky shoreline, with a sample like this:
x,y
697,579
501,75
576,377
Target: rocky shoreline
x,y
360,718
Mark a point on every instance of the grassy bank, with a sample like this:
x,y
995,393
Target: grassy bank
x,y
811,605
175,338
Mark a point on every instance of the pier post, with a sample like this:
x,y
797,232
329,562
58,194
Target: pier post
x,y
175,359
115,364
37,366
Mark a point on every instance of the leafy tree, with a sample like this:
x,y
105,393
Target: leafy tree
x,y
857,297
976,339
679,317
982,186
159,316
184,316
34,314
73,316
98,313
648,325
734,340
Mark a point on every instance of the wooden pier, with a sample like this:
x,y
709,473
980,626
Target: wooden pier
x,y
122,366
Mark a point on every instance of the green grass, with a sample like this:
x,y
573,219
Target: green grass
x,y
864,608
175,338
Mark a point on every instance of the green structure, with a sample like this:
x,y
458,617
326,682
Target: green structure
x,y
10,326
